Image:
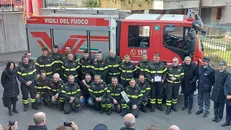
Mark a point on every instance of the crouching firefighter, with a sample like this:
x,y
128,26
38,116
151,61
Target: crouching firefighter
x,y
98,93
145,90
175,74
41,85
114,96
135,96
27,75
72,95
54,90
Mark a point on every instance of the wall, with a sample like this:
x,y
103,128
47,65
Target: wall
x,y
226,19
12,33
214,3
174,4
137,5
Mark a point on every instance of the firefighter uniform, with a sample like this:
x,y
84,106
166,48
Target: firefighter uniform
x,y
41,86
142,66
128,72
70,67
57,62
114,92
99,91
100,68
45,63
145,90
54,89
113,64
172,87
71,90
85,67
27,72
136,97
156,74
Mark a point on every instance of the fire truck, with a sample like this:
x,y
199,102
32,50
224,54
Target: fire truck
x,y
97,29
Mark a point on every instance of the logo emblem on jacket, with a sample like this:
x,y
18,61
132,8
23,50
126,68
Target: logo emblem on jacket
x,y
136,91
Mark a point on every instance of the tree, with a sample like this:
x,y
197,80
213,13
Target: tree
x,y
92,3
130,3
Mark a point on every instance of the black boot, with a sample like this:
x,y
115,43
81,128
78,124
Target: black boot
x,y
109,112
61,106
14,108
144,109
25,107
153,107
174,108
34,106
225,124
101,111
160,107
168,111
215,118
123,112
10,111
76,110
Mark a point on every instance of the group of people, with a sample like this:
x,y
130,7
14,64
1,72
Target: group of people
x,y
115,84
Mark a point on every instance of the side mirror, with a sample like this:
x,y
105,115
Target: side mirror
x,y
203,32
197,24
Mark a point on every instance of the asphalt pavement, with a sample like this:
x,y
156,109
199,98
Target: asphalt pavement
x,y
86,119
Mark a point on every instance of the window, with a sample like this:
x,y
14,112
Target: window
x,y
138,36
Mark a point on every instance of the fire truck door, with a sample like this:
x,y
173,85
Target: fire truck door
x,y
138,39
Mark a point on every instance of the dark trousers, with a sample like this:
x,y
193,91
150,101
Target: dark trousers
x,y
172,93
228,113
44,98
25,91
218,109
68,107
100,105
8,101
188,99
204,98
156,94
135,112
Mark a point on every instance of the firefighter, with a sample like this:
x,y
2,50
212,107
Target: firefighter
x,y
206,78
44,62
114,96
145,90
72,95
54,90
27,75
218,95
128,71
30,61
113,61
41,85
85,86
86,65
143,64
175,73
156,74
99,66
67,51
70,67
135,96
98,93
57,59
189,83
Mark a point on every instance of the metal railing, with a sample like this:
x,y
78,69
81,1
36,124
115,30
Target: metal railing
x,y
11,5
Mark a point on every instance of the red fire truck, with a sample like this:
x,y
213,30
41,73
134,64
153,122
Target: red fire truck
x,y
105,29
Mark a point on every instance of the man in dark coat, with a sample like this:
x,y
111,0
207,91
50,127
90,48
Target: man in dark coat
x,y
227,91
40,122
218,95
206,80
189,83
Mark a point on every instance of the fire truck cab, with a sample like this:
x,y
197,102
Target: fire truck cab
x,y
105,29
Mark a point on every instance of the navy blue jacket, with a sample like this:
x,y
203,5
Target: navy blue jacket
x,y
227,89
206,78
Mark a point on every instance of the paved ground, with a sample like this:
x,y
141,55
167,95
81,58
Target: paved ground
x,y
87,119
